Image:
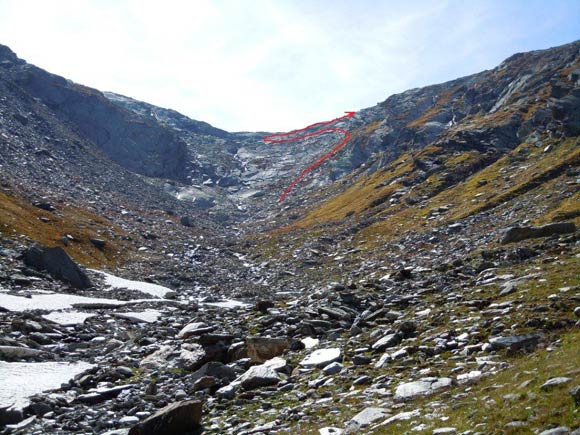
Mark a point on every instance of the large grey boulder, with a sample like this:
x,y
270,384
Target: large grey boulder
x,y
516,342
258,376
389,340
58,264
193,357
422,387
17,352
158,359
364,418
177,418
519,233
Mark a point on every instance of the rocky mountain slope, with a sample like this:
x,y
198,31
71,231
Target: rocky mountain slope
x,y
425,280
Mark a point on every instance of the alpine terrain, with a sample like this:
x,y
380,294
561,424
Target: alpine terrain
x,y
424,280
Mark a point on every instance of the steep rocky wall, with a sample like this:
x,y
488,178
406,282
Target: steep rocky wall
x,y
134,142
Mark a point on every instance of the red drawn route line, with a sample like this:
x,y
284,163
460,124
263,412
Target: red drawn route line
x,y
296,136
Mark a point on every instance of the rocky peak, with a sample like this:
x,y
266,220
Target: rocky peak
x,y
8,57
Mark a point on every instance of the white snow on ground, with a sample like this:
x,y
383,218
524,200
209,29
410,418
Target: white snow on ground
x,y
54,301
143,287
21,380
148,316
68,318
228,303
63,301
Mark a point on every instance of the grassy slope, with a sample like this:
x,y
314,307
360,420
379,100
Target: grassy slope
x,y
20,219
527,173
524,169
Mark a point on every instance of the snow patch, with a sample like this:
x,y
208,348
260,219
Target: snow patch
x,y
68,318
21,380
143,287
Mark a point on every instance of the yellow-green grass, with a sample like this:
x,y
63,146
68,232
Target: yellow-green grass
x,y
19,218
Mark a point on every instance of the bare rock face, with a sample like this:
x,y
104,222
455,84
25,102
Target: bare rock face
x,y
134,142
177,418
58,264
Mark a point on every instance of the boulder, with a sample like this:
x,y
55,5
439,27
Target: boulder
x,y
99,243
575,393
335,313
158,359
98,395
44,206
389,340
332,368
193,329
186,221
17,352
264,305
555,382
214,339
519,233
516,342
177,418
561,430
227,392
321,357
422,387
258,376
365,418
11,415
58,264
193,357
216,370
205,382
261,349
278,364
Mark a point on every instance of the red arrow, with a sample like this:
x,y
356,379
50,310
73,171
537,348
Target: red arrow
x,y
296,136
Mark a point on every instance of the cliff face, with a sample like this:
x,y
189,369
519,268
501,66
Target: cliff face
x,y
135,142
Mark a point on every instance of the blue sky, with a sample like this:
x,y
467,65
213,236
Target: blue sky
x,y
276,65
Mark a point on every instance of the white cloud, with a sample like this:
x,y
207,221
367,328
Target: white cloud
x,y
273,65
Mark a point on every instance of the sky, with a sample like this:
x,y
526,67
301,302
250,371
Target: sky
x,y
259,65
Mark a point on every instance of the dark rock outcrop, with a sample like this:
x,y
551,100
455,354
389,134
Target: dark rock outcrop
x,y
58,264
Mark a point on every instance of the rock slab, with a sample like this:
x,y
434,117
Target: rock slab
x,y
177,418
410,390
